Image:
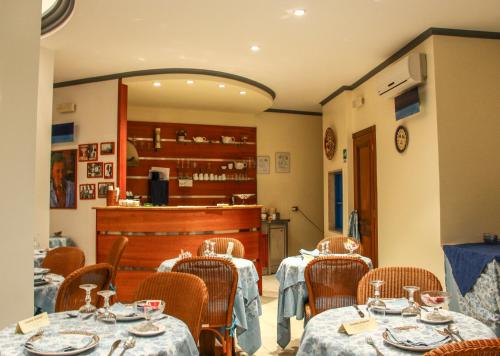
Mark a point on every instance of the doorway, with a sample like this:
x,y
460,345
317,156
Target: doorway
x,y
335,202
365,189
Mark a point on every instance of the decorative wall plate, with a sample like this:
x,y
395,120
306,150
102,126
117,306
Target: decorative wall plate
x,y
330,143
401,138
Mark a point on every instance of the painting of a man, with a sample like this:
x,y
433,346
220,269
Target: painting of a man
x,y
62,179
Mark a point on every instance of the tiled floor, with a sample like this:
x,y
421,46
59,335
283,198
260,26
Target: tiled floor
x,y
268,322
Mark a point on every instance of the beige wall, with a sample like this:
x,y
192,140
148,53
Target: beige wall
x,y
468,93
408,183
298,134
19,48
96,121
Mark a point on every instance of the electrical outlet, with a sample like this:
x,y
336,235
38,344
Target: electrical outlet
x,y
295,208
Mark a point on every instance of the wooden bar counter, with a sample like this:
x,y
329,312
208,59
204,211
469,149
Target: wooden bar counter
x,y
159,233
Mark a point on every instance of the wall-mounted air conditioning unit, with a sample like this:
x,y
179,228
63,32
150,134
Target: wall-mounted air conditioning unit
x,y
403,75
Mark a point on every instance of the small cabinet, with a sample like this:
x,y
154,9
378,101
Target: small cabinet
x,y
277,243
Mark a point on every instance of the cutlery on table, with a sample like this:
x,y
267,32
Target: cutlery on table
x,y
448,333
452,329
370,342
129,344
360,313
114,346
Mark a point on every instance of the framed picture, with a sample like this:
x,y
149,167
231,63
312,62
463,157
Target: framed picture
x,y
63,175
88,152
107,148
94,170
263,164
108,170
102,188
282,162
87,191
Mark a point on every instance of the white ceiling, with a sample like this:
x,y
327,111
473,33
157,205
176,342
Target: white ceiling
x,y
302,59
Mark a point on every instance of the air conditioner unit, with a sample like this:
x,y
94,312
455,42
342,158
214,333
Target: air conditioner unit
x,y
403,75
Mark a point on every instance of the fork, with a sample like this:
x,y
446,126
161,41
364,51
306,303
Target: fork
x,y
370,342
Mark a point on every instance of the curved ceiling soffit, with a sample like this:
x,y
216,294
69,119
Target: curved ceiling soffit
x,y
56,16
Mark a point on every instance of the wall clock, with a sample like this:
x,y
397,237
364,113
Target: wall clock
x,y
330,143
401,139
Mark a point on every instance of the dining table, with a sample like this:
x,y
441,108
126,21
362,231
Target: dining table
x,y
38,257
247,304
292,295
176,340
46,294
322,336
60,241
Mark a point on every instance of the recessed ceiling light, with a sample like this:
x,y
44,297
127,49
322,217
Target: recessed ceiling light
x,y
222,86
255,48
142,59
157,84
243,92
299,12
189,82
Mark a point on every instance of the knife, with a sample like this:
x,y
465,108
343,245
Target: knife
x,y
360,313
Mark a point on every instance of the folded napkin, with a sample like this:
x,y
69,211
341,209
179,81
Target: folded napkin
x,y
421,336
394,304
314,253
123,310
59,342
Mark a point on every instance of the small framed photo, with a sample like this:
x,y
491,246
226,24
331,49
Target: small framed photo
x,y
94,170
263,164
107,148
102,188
108,170
88,152
87,191
282,162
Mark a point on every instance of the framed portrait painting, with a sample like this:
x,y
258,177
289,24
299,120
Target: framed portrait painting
x,y
282,162
108,170
263,164
63,176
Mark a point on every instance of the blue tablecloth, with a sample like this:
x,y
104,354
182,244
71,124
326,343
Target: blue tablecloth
x,y
45,296
468,262
247,305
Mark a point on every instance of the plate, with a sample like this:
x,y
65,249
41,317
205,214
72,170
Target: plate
x,y
93,343
133,317
137,332
424,318
40,282
386,338
38,270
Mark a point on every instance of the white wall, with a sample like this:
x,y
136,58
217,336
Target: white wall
x,y
43,138
96,121
298,134
408,183
19,48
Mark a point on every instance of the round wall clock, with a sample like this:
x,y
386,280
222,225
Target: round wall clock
x,y
401,139
330,143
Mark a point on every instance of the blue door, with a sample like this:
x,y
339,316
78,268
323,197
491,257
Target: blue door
x,y
339,202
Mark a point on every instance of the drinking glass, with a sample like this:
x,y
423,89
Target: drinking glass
x,y
212,249
106,315
322,248
327,248
351,246
206,252
435,299
88,308
149,308
36,244
377,305
412,308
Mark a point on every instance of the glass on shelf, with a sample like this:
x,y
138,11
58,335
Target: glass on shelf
x,y
435,299
376,305
104,314
412,308
88,308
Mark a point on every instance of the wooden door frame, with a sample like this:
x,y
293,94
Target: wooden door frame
x,y
368,131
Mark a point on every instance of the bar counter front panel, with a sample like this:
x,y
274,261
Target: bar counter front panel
x,y
159,233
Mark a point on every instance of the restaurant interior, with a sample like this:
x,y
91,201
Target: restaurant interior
x,y
250,178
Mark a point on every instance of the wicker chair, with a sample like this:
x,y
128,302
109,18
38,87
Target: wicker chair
x,y
337,244
221,246
332,282
64,260
395,278
221,279
489,347
175,289
71,297
115,255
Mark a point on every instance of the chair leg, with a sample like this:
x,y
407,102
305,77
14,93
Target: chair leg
x,y
207,343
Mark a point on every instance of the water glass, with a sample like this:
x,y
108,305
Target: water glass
x,y
351,246
212,249
106,315
206,251
377,305
88,308
436,299
412,308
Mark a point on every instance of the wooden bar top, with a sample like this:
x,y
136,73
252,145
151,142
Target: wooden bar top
x,y
180,207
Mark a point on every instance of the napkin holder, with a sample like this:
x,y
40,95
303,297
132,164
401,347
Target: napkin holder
x,y
358,326
34,323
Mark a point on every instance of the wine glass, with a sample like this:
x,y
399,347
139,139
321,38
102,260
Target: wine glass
x,y
206,252
106,315
212,249
88,308
377,305
327,248
149,308
435,299
412,308
351,246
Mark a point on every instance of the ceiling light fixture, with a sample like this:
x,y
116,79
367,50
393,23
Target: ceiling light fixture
x,y
189,82
255,48
243,92
299,12
222,86
157,84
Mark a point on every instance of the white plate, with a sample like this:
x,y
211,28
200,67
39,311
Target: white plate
x,y
406,347
425,319
134,331
95,341
128,317
38,270
40,282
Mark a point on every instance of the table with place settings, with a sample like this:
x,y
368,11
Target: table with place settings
x,y
46,294
321,335
247,304
293,293
38,257
176,340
